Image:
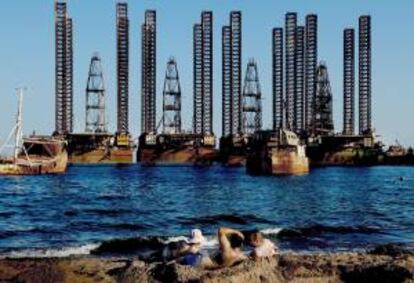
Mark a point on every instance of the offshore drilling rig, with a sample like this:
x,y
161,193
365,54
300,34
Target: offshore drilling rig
x,y
96,144
232,142
173,146
302,96
325,148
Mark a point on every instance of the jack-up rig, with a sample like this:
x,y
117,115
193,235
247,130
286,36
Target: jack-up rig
x,y
96,144
172,145
301,97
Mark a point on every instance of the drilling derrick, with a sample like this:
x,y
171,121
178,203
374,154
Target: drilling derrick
x,y
231,72
203,75
171,100
122,26
64,70
252,107
323,122
277,78
365,125
311,61
299,86
290,62
95,98
149,61
349,82
173,146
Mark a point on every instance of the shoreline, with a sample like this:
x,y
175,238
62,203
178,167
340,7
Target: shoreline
x,y
390,263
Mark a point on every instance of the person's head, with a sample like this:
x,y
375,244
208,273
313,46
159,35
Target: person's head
x,y
255,238
197,237
196,240
235,241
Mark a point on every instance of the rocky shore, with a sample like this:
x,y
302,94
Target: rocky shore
x,y
383,264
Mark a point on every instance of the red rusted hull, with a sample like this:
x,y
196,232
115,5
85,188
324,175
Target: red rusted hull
x,y
185,155
103,156
44,157
288,163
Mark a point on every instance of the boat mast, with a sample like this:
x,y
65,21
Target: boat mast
x,y
19,134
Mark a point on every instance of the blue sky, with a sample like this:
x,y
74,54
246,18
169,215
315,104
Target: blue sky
x,y
27,55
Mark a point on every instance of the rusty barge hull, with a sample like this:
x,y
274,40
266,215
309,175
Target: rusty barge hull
x,y
276,153
233,151
286,162
98,148
44,155
280,162
183,156
175,150
20,169
344,150
102,156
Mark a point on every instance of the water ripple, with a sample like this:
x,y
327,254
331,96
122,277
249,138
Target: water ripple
x,y
340,208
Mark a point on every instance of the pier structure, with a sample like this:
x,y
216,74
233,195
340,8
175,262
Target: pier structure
x,y
63,69
95,98
349,82
365,125
277,78
203,75
122,38
171,119
149,73
251,104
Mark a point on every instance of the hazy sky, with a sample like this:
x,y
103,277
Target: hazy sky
x,y
27,55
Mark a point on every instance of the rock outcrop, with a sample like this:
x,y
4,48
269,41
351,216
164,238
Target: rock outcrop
x,y
381,265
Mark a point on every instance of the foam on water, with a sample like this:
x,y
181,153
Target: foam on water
x,y
210,243
271,231
47,253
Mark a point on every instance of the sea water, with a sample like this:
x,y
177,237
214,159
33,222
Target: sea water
x,y
329,209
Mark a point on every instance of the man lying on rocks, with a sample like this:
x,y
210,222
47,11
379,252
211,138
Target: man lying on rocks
x,y
231,249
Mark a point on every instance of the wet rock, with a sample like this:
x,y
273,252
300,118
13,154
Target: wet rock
x,y
128,246
381,273
390,250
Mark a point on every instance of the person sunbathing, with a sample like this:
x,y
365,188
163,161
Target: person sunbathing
x,y
230,252
261,247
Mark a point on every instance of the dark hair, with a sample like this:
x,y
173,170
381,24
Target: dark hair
x,y
235,241
252,236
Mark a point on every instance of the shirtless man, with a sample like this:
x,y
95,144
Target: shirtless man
x,y
231,252
231,242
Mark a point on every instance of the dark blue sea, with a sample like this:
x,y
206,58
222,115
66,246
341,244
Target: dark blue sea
x,y
330,209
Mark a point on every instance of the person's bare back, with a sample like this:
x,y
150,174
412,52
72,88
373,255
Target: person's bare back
x,y
230,251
